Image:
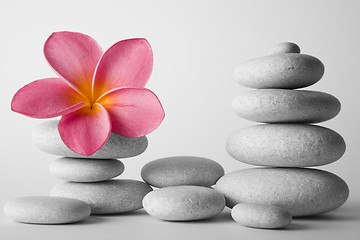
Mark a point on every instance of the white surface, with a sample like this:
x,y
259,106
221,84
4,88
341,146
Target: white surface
x,y
196,45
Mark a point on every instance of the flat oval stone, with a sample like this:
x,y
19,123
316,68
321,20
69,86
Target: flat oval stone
x,y
286,106
301,191
260,215
184,203
285,145
285,47
85,170
46,210
282,70
47,138
107,197
182,170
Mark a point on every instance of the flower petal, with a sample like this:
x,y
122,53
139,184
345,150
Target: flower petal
x,y
86,130
74,57
134,112
127,63
46,98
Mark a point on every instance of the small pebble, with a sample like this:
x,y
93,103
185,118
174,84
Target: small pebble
x,y
182,170
282,70
86,170
106,197
47,138
184,203
300,191
46,210
285,47
286,106
285,145
260,215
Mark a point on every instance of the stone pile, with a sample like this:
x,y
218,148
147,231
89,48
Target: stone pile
x,y
185,192
89,187
286,144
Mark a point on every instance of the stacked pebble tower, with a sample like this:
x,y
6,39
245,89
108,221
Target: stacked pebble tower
x,y
184,192
286,144
89,187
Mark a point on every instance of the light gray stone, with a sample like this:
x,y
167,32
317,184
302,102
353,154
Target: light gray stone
x,y
182,170
282,70
286,145
285,47
286,106
47,138
46,210
184,203
107,197
301,191
85,170
260,215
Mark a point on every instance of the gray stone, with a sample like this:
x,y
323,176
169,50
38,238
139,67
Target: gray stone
x,y
285,47
182,170
301,191
47,138
107,197
286,106
260,215
282,70
86,170
286,145
184,203
46,210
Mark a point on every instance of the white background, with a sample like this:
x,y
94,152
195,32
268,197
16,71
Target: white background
x,y
196,45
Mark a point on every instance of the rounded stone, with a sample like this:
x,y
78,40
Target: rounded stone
x,y
286,106
107,197
282,70
285,145
301,191
260,215
285,47
46,210
47,138
182,170
184,203
85,170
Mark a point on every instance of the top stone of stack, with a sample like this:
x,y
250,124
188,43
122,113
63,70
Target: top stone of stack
x,y
284,68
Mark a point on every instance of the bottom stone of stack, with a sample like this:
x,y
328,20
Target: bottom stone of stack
x,y
301,191
107,197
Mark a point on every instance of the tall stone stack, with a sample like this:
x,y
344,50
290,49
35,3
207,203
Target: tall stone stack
x,y
90,178
288,143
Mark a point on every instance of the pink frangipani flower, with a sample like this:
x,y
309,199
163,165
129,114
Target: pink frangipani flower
x,y
96,93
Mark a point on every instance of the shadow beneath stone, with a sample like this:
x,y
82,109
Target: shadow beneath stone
x,y
222,217
91,220
140,212
348,212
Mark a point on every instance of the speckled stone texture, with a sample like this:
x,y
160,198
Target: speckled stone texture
x,y
107,197
301,191
182,170
286,106
47,138
286,145
184,203
85,170
283,70
260,215
46,210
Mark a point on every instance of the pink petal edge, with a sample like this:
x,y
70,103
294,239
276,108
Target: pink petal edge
x,y
134,112
127,63
73,56
46,98
86,130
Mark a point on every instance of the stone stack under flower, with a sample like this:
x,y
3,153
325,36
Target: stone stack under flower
x,y
90,178
287,144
